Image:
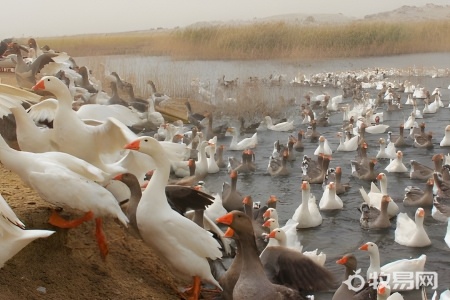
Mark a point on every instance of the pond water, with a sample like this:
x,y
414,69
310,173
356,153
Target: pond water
x,y
340,231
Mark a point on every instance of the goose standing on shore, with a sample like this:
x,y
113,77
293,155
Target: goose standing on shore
x,y
68,182
184,245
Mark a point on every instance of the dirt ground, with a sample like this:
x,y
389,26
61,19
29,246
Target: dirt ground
x,y
67,265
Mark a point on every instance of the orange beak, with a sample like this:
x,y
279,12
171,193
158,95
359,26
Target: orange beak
x,y
266,224
272,234
266,214
364,247
39,86
304,185
379,176
229,233
118,177
225,219
421,213
381,290
135,145
246,200
342,261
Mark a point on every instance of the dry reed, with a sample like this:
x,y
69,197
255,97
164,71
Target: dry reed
x,y
267,41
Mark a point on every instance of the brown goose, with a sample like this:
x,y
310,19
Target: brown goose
x,y
228,280
231,198
336,178
414,196
138,103
120,83
279,168
26,73
442,186
194,118
372,218
291,268
422,172
312,133
248,162
252,282
258,228
400,141
219,157
421,137
211,132
85,83
157,97
343,292
317,175
427,144
115,98
298,145
363,173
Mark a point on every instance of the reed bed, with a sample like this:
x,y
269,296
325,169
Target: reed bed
x,y
267,41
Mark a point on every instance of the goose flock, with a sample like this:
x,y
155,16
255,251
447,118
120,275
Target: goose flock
x,y
340,186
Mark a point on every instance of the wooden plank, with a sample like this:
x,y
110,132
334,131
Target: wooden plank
x,y
175,109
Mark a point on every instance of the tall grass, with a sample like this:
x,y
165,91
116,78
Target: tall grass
x,y
267,41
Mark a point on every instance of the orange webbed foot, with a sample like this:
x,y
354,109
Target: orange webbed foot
x,y
101,238
58,221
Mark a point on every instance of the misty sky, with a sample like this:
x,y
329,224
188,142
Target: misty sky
x,y
60,17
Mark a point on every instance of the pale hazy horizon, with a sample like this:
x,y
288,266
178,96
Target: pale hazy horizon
x,y
56,17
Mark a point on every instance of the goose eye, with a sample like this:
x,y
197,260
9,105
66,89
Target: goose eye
x,y
146,140
48,79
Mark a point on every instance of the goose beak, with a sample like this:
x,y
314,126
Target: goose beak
x,y
133,145
342,261
364,247
229,233
225,219
118,177
39,86
272,234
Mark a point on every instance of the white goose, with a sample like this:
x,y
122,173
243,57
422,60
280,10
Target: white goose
x,y
245,143
430,108
279,235
329,198
374,197
184,245
66,181
382,153
447,235
307,214
30,137
73,136
290,239
211,160
96,144
411,121
396,165
446,139
402,265
13,237
384,292
411,233
349,145
181,168
323,147
283,126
